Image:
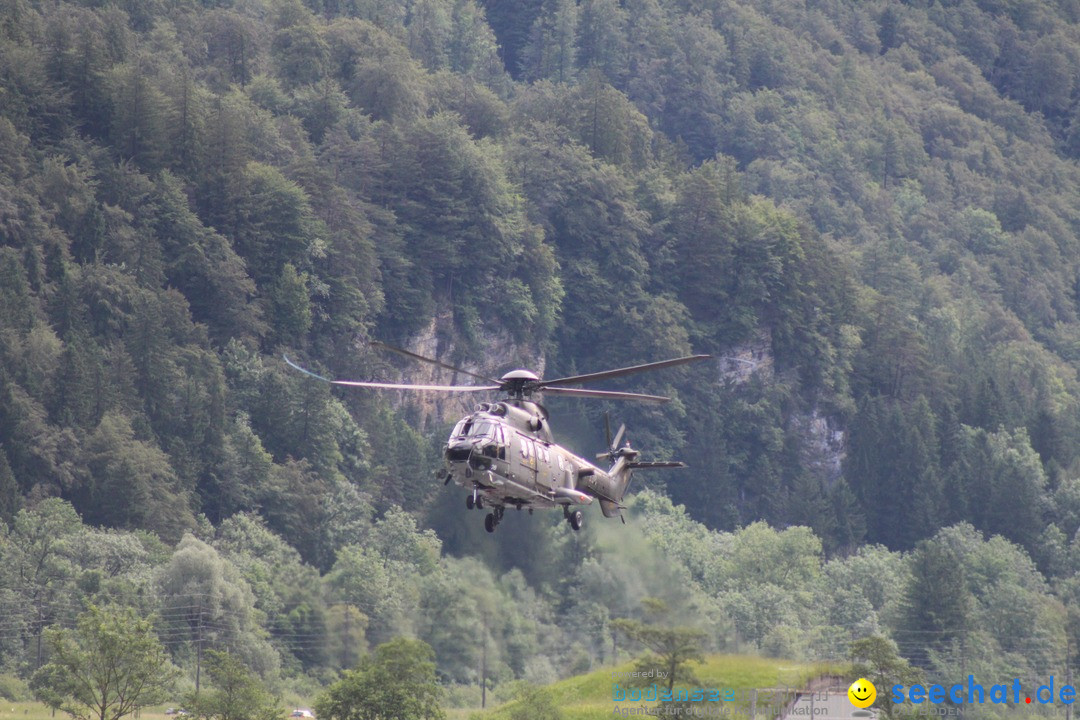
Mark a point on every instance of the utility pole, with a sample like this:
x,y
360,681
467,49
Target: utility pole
x,y
198,655
40,629
963,655
963,663
345,643
1068,673
483,669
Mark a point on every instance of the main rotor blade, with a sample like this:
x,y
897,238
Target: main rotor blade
x,y
604,394
654,465
604,375
404,386
432,361
394,386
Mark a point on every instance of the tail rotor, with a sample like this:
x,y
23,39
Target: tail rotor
x,y
613,450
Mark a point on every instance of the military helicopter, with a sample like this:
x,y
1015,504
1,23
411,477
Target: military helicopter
x,y
504,451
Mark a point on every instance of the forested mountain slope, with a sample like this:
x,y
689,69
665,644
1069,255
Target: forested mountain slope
x,y
875,206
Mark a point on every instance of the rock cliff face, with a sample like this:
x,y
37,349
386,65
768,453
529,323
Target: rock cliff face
x,y
499,354
823,443
747,359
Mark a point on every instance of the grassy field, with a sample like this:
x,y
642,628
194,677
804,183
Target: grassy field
x,y
589,696
24,711
37,711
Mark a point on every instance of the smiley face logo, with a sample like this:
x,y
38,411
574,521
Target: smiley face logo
x,y
862,693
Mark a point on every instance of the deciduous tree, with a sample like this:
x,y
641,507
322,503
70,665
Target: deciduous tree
x,y
673,648
396,682
108,667
236,693
876,658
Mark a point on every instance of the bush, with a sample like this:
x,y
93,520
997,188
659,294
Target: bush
x,y
14,689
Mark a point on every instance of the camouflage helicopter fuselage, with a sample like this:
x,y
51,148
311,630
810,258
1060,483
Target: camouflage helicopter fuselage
x,y
505,453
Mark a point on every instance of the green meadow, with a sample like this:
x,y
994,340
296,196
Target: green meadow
x,y
589,696
37,711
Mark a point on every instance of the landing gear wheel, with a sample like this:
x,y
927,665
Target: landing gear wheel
x,y
479,503
470,502
490,522
576,519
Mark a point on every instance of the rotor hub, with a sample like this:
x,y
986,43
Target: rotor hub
x,y
520,375
519,383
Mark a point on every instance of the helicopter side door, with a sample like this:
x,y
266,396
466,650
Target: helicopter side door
x,y
527,453
544,475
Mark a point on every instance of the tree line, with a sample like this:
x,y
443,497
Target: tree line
x,y
238,601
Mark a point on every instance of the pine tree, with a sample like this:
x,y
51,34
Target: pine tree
x,y
552,47
602,38
10,499
512,21
937,605
137,125
291,318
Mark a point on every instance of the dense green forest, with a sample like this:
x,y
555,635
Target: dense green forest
x,y
869,212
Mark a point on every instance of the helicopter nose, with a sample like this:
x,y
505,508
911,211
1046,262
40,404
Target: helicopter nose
x,y
458,452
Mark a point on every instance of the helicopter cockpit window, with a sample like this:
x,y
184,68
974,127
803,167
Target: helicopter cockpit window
x,y
463,428
483,429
